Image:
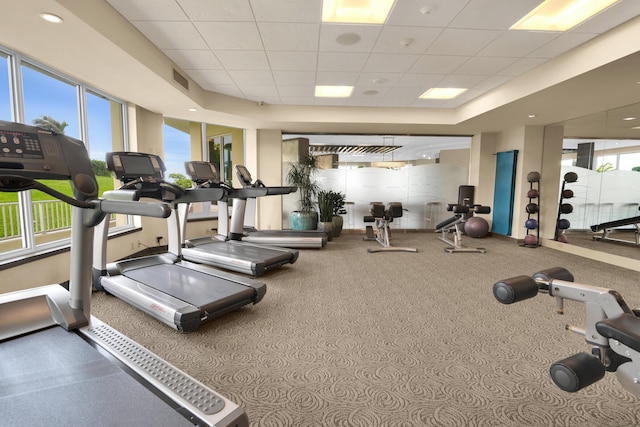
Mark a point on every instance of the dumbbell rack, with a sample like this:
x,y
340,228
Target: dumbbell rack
x,y
533,185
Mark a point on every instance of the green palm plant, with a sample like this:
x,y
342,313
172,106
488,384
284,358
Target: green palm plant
x,y
302,175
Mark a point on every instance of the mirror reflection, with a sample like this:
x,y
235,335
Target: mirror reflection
x,y
604,151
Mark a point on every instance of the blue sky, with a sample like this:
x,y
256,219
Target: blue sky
x,y
46,95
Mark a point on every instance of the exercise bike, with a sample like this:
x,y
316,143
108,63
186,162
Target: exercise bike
x,y
612,329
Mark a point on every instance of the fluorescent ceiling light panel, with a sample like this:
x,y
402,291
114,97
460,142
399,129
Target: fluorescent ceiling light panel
x,y
442,93
334,91
356,11
561,15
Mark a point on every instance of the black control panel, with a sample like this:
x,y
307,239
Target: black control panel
x,y
129,166
30,152
17,144
202,171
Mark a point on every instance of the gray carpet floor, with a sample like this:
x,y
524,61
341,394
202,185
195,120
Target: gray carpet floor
x,y
350,338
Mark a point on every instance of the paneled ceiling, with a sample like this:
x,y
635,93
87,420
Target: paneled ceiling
x,y
277,51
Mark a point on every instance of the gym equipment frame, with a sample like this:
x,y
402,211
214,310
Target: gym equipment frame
x,y
455,225
380,231
612,328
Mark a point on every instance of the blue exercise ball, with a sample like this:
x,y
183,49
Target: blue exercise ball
x,y
476,227
531,224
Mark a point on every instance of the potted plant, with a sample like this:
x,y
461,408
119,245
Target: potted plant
x,y
302,175
338,209
325,205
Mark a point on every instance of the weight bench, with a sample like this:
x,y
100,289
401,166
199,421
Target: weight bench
x,y
380,232
455,225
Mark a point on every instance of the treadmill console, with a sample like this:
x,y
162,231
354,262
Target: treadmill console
x,y
33,153
130,166
201,172
244,175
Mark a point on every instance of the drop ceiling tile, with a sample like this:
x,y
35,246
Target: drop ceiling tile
x,y
243,59
517,44
455,41
420,80
341,61
230,90
370,92
265,93
437,64
461,81
209,77
230,35
492,14
295,78
331,33
244,77
522,66
390,62
439,12
194,59
287,11
484,65
289,36
405,39
306,91
562,44
149,10
492,82
218,10
336,78
379,79
294,61
171,35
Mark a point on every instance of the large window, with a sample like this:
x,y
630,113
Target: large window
x,y
31,221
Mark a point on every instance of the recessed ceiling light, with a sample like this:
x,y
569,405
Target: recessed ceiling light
x,y
442,93
531,116
356,11
629,118
560,15
333,91
192,109
50,17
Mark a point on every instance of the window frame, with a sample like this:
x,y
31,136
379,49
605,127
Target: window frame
x,y
30,249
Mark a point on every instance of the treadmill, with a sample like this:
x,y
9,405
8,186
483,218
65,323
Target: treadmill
x,y
225,250
60,365
181,294
286,238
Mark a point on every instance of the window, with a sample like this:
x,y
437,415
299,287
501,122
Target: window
x,y
31,221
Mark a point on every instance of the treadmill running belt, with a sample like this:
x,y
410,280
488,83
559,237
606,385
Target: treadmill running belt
x,y
53,377
191,286
255,254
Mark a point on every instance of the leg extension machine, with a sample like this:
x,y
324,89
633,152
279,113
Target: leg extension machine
x,y
380,232
612,329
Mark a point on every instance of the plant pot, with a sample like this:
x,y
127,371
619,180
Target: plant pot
x,y
304,220
327,227
338,222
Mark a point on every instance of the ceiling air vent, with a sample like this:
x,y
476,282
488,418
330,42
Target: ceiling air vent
x,y
181,80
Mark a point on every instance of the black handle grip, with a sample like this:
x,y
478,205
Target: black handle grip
x,y
515,289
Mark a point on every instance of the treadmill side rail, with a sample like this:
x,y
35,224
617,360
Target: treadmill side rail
x,y
201,403
37,308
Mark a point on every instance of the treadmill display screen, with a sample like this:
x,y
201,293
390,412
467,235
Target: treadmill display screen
x,y
204,171
244,175
137,166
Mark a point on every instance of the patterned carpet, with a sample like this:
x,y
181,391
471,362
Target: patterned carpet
x,y
348,338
